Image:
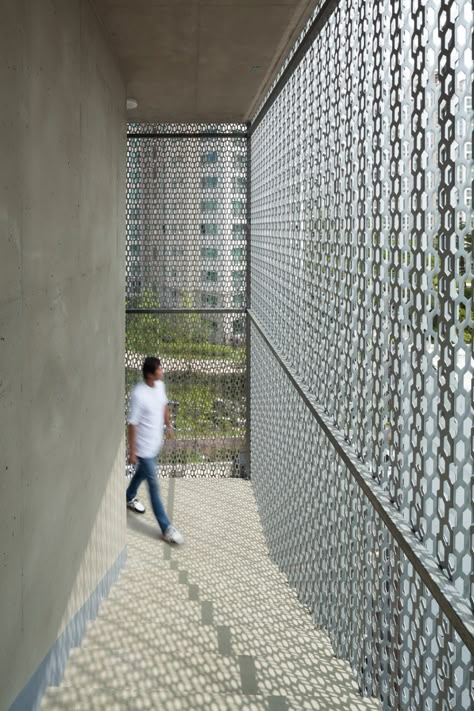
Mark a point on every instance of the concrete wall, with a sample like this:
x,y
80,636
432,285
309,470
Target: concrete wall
x,y
62,222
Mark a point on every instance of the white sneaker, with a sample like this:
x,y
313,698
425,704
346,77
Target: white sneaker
x,y
172,535
136,505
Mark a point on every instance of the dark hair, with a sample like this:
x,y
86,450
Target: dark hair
x,y
150,365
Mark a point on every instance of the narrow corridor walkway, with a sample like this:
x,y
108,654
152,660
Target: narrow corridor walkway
x,y
211,625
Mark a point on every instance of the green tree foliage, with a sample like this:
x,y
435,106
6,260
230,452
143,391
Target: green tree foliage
x,y
188,335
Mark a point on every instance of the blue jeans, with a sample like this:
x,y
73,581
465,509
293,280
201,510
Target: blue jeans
x,y
146,469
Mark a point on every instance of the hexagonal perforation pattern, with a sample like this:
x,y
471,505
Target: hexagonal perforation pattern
x,y
361,278
186,249
347,567
186,222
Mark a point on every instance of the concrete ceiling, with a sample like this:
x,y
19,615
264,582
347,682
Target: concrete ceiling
x,y
200,60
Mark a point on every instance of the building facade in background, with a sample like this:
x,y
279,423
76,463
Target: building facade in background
x,y
187,227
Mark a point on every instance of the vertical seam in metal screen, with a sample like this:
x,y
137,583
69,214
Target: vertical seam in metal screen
x,y
249,303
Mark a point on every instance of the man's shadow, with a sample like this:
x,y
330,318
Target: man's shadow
x,y
139,526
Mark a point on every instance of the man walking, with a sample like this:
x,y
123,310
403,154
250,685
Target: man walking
x,y
148,414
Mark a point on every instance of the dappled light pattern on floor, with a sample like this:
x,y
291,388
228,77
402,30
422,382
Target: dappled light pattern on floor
x,y
210,625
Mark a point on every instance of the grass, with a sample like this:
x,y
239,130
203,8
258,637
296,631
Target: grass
x,y
185,336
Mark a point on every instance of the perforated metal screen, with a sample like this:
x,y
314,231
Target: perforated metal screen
x,y
186,286
361,370
361,328
186,220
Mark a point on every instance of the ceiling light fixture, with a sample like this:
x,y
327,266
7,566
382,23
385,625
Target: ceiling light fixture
x,y
131,104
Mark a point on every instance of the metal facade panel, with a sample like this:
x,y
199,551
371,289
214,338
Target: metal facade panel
x,y
361,280
186,286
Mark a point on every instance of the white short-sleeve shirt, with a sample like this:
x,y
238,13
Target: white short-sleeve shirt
x,y
147,413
